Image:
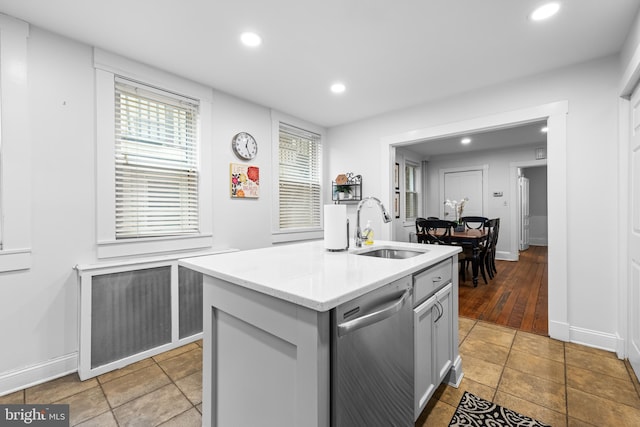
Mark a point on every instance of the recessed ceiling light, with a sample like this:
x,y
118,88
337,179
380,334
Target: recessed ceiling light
x,y
465,141
338,88
545,11
250,39
544,129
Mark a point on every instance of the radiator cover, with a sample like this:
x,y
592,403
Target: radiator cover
x,y
130,313
134,310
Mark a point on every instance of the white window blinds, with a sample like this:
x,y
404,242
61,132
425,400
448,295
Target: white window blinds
x,y
156,162
411,173
299,189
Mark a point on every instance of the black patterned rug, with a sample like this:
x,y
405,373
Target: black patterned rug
x,y
474,411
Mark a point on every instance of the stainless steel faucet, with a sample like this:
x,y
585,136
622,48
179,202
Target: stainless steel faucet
x,y
385,217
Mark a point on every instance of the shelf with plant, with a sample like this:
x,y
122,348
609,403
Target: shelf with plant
x,y
347,187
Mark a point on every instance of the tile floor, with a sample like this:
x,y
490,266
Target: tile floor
x,y
562,384
164,390
558,383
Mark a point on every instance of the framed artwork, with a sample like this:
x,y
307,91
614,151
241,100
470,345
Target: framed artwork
x,y
396,205
245,181
396,176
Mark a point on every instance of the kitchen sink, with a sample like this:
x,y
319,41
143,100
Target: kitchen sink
x,y
392,253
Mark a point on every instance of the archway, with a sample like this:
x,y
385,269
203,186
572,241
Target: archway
x,y
555,114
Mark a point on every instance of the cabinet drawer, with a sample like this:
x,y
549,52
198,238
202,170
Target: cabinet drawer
x,y
425,283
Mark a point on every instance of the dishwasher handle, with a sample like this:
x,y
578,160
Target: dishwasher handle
x,y
376,316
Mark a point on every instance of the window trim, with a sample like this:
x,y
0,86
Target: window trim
x,y
15,206
108,65
418,183
282,236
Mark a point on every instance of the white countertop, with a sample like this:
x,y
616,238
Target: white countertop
x,y
309,275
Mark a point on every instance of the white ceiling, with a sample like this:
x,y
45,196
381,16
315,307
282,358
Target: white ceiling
x,y
390,54
527,134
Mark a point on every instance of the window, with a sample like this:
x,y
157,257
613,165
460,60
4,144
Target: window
x,y
153,131
299,179
411,188
155,162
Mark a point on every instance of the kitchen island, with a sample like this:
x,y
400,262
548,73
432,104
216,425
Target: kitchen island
x,y
267,326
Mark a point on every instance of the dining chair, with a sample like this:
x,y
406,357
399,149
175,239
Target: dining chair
x,y
495,227
489,258
474,222
466,257
434,231
420,229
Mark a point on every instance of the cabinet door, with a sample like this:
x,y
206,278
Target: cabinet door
x,y
424,375
443,333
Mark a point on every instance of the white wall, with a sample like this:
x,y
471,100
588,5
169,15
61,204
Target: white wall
x,y
499,162
240,223
38,306
591,92
628,53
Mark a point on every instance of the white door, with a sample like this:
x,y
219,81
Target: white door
x,y
523,205
634,236
457,186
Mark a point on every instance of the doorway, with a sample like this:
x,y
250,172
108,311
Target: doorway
x,y
523,213
555,114
538,172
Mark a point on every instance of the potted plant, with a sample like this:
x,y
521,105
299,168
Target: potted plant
x,y
458,208
343,191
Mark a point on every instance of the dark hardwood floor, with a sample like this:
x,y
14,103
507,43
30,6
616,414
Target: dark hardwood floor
x,y
516,296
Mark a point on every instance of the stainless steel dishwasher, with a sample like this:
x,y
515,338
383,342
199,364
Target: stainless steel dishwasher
x,y
372,359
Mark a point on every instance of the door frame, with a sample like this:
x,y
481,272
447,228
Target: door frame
x,y
523,226
513,211
556,115
626,302
630,79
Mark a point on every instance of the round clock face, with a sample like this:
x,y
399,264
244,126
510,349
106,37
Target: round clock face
x,y
244,145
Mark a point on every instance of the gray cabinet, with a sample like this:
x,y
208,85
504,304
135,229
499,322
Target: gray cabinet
x,y
434,335
443,333
424,378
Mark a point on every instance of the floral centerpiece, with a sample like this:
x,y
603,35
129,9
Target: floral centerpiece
x,y
457,207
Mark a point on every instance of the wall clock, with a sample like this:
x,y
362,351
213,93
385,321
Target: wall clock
x,y
244,145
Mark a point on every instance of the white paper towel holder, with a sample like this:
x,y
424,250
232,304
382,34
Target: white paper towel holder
x,y
342,249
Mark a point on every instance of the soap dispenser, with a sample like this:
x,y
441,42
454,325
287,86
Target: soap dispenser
x,y
367,234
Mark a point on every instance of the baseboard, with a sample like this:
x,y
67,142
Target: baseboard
x,y
610,342
621,348
506,256
595,339
559,331
38,374
454,377
541,241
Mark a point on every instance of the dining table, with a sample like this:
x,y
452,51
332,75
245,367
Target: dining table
x,y
472,239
